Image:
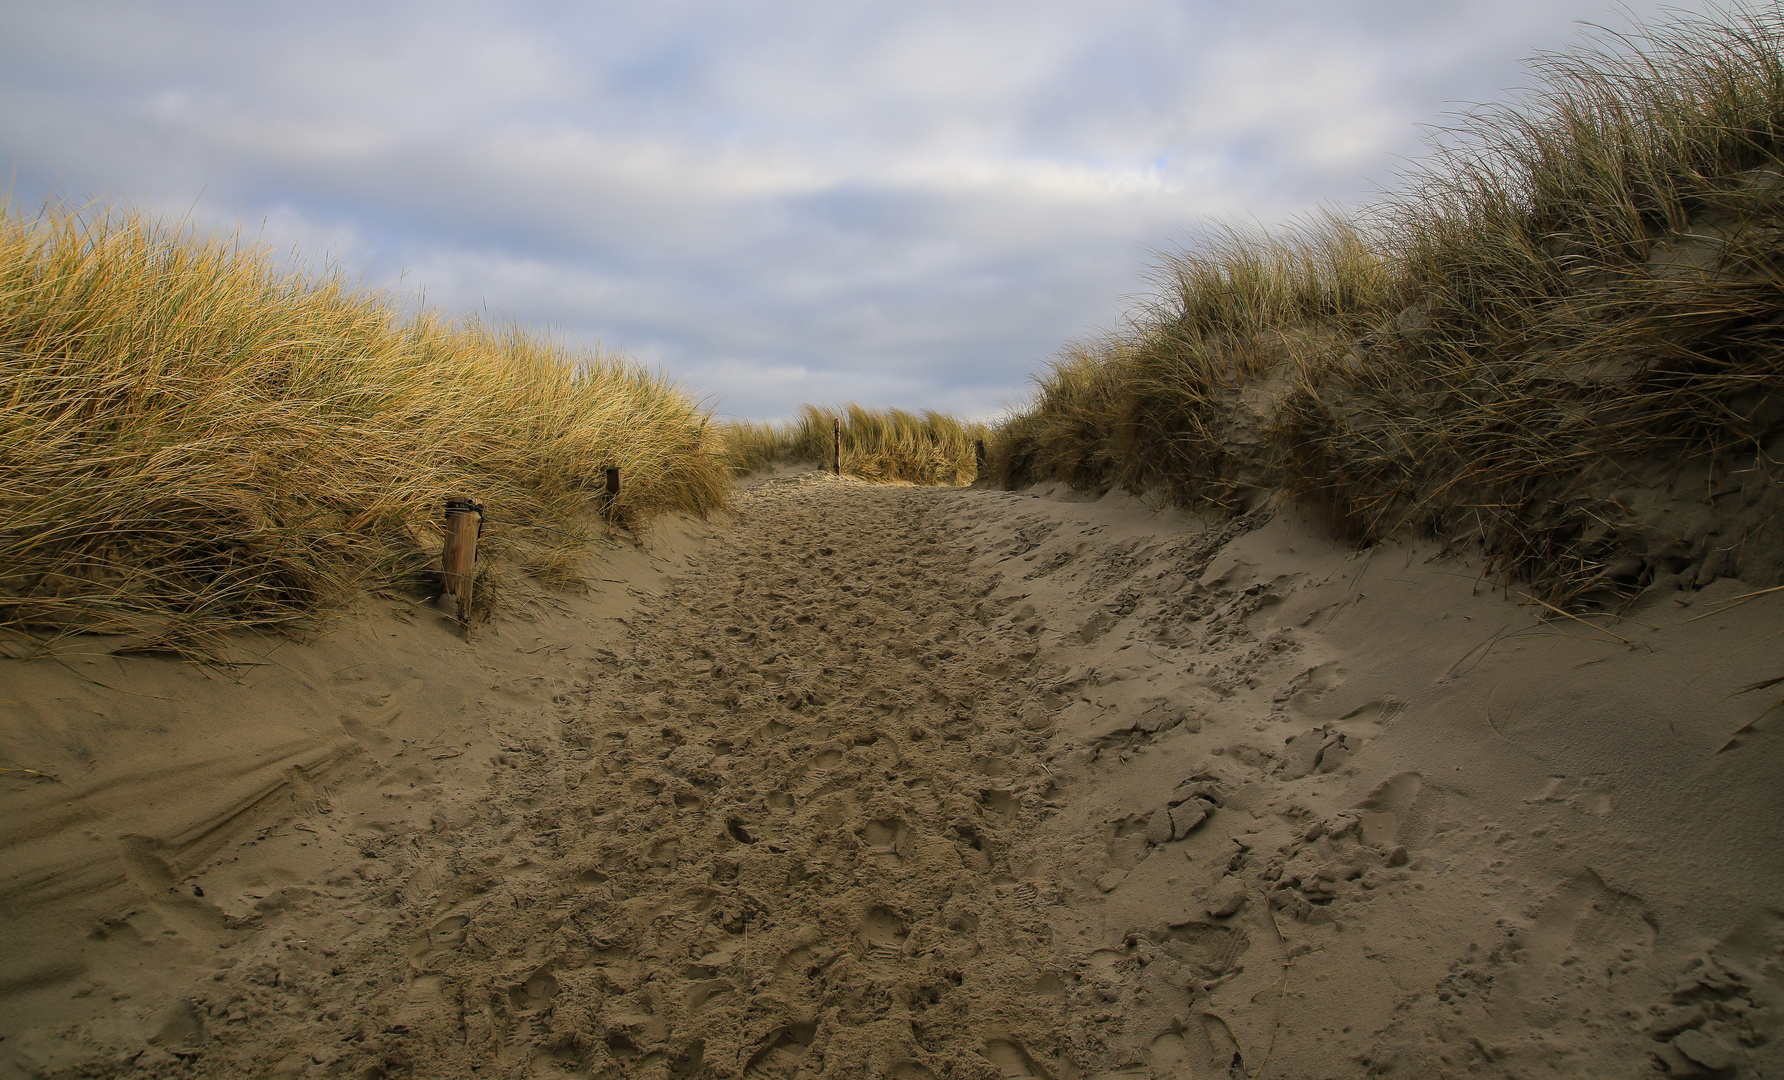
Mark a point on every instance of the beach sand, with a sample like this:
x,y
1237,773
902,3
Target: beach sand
x,y
867,781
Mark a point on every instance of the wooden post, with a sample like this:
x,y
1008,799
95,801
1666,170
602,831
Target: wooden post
x,y
979,455
609,494
838,458
458,557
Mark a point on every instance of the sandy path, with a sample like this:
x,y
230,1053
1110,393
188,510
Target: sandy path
x,y
774,838
878,781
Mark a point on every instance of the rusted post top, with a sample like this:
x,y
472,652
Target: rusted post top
x,y
464,504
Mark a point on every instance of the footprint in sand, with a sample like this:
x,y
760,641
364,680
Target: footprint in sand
x,y
884,835
198,920
1368,721
1319,750
535,994
1402,811
762,873
998,802
882,932
690,1061
1585,933
702,995
1012,1060
975,857
781,1055
1314,684
1202,1049
623,1048
922,795
565,1063
425,996
176,1025
1213,950
447,934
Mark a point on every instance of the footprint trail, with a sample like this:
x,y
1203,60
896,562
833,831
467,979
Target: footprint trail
x,y
773,839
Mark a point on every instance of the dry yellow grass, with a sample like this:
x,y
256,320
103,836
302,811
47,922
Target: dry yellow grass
x,y
1571,290
881,445
193,440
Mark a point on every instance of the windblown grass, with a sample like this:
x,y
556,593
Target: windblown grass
x,y
1573,303
752,447
880,445
193,441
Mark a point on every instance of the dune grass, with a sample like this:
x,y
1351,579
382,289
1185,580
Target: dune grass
x,y
193,440
879,445
752,446
1577,289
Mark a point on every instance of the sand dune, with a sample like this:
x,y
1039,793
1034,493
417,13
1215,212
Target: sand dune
x,y
1452,836
893,781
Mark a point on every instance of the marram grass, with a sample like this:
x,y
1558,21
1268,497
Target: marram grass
x,y
194,441
1577,302
879,445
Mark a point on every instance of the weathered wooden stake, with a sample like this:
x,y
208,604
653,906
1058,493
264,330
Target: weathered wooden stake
x,y
609,494
458,557
979,455
838,458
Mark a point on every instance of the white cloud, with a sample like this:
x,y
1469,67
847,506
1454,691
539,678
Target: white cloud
x,y
908,203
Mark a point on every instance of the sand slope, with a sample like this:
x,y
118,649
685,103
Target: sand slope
x,y
1451,833
201,817
887,781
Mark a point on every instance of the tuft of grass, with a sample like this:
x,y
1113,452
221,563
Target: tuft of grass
x,y
1071,432
879,445
1572,304
1184,398
752,447
194,441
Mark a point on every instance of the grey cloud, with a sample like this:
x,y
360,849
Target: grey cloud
x,y
909,204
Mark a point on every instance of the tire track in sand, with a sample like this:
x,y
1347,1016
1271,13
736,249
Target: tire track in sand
x,y
776,840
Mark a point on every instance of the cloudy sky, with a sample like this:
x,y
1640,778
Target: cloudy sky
x,y
902,203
